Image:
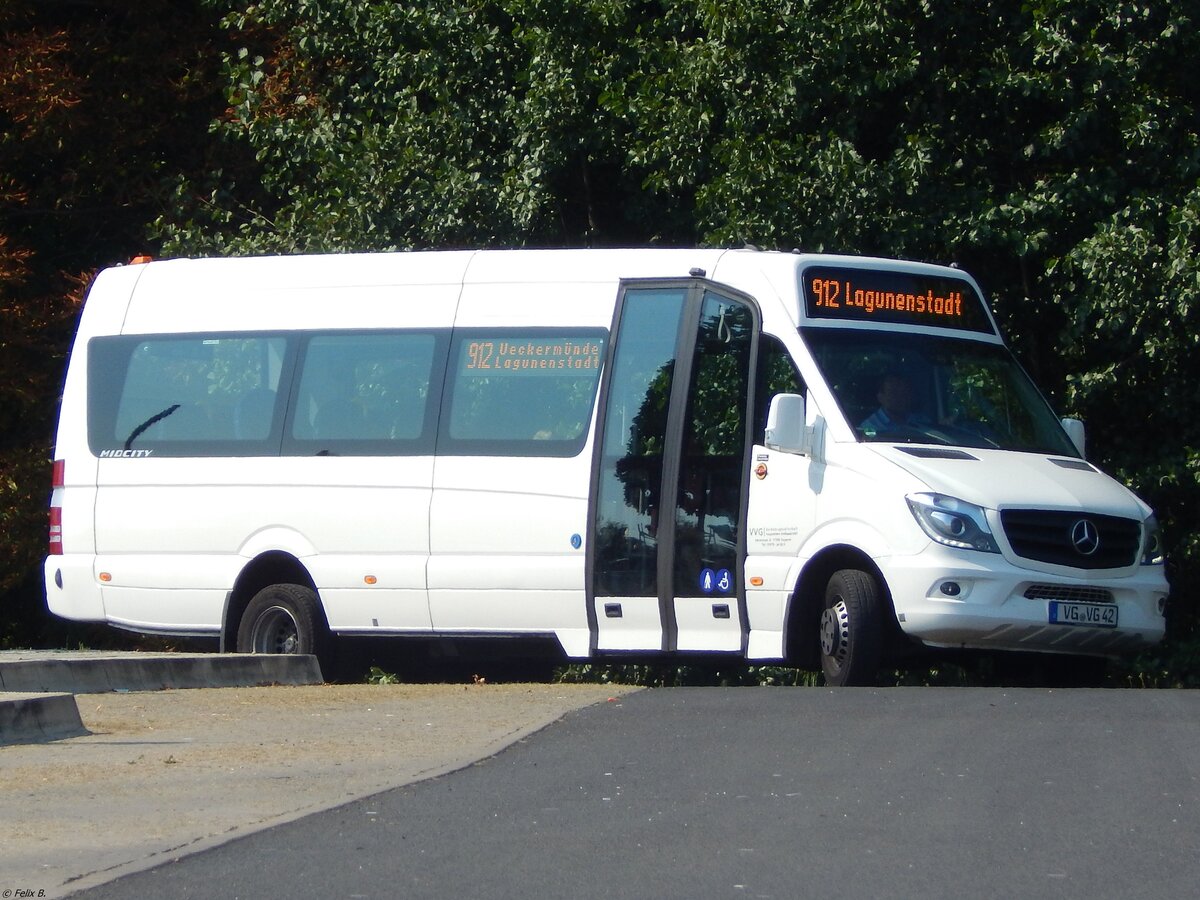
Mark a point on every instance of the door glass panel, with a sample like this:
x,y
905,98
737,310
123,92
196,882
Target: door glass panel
x,y
776,375
708,504
631,466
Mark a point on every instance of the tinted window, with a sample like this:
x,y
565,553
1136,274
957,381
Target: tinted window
x,y
185,396
910,388
527,392
629,495
522,393
709,498
776,375
365,394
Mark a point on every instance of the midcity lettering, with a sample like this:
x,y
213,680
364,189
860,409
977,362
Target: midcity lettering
x,y
125,454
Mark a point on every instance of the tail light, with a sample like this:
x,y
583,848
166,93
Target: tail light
x,y
56,531
58,479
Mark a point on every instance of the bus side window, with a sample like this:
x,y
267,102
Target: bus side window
x,y
776,375
365,393
521,392
185,395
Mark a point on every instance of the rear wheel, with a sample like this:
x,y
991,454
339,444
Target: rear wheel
x,y
851,629
284,618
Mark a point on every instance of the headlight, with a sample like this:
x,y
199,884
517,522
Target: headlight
x,y
952,522
1152,548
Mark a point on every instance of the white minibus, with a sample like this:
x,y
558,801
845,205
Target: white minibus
x,y
774,456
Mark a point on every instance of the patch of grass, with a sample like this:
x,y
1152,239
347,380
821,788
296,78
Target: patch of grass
x,y
1172,664
378,676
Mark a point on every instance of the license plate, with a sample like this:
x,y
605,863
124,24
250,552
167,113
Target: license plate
x,y
1096,615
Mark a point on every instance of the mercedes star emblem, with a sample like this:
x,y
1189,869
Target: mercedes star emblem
x,y
1085,537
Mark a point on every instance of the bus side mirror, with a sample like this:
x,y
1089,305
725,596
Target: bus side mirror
x,y
786,429
1075,431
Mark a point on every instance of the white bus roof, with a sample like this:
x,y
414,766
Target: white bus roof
x,y
283,292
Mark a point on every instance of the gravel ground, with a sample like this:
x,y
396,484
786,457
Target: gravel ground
x,y
167,773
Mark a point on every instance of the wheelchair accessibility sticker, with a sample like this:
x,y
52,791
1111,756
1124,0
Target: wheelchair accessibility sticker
x,y
719,581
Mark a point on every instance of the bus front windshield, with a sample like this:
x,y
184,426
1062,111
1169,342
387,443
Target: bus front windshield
x,y
923,389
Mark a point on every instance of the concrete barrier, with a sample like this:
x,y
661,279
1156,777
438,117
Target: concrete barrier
x,y
38,717
90,674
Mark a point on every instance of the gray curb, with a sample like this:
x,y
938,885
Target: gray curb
x,y
36,702
154,672
39,717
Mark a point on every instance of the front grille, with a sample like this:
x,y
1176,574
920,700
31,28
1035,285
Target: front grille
x,y
1065,538
1068,594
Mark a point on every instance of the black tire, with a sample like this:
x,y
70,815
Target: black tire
x,y
284,618
851,629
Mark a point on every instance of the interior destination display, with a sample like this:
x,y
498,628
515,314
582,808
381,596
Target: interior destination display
x,y
532,356
869,295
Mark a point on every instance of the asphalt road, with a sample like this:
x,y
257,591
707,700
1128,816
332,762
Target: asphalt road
x,y
767,792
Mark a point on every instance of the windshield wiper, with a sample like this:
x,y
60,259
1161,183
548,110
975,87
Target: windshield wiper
x,y
157,417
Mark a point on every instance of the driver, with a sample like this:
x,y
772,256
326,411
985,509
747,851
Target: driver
x,y
895,411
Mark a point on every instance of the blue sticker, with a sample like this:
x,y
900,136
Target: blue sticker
x,y
576,541
724,581
708,580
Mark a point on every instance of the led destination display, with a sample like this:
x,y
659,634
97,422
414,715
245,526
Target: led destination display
x,y
867,295
532,356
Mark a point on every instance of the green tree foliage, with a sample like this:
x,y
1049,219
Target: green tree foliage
x,y
98,103
1052,147
378,126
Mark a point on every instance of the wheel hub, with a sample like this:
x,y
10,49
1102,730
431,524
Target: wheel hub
x,y
276,632
835,632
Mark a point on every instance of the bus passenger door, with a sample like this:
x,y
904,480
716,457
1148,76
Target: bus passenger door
x,y
667,537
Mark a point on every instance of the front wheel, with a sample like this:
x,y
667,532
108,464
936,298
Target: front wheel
x,y
851,629
283,618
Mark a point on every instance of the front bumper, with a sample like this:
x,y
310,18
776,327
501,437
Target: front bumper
x,y
949,598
